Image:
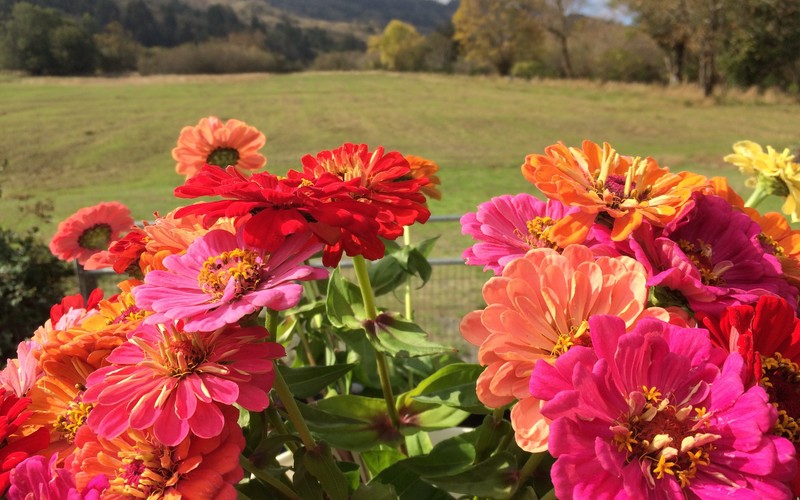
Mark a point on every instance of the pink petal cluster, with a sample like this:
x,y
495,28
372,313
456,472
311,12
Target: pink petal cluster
x,y
652,414
36,478
175,381
220,279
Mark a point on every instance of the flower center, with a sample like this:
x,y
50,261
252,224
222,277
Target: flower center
x,y
96,237
537,233
669,439
183,356
68,424
240,265
143,474
770,245
577,335
132,313
222,157
700,253
781,379
616,185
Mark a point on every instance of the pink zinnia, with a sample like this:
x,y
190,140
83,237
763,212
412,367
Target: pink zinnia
x,y
221,279
506,227
21,373
650,414
37,478
90,230
175,380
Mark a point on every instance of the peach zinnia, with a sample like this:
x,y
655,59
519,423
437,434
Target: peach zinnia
x,y
537,310
213,142
423,167
90,230
603,183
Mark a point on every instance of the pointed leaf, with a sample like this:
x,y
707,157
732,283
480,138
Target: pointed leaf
x,y
375,491
378,460
344,303
401,338
452,385
323,467
491,478
308,381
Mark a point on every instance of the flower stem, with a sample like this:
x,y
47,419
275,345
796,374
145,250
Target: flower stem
x,y
360,266
527,470
285,394
759,194
268,479
407,242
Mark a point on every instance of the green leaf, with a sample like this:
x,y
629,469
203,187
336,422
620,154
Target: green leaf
x,y
375,491
409,485
401,338
323,467
305,484
418,443
350,424
451,456
379,459
308,381
344,303
352,472
386,275
452,385
491,478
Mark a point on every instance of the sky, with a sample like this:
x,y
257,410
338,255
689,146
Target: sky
x,y
596,8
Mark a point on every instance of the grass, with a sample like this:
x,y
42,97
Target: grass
x,y
77,142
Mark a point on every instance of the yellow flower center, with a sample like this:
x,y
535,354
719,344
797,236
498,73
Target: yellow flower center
x,y
183,354
577,335
96,237
615,189
68,424
668,438
222,157
537,236
780,377
240,265
771,245
700,253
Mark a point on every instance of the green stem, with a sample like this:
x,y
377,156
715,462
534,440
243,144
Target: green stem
x,y
527,470
293,411
550,495
285,394
360,266
759,194
407,242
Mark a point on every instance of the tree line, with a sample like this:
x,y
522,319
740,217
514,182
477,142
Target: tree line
x,y
707,42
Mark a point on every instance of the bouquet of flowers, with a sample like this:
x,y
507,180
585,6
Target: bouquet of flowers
x,y
639,338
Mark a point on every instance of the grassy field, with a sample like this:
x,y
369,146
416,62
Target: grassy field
x,y
80,141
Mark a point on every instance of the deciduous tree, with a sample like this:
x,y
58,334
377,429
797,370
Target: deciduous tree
x,y
400,47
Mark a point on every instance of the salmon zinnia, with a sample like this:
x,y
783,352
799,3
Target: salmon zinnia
x,y
213,142
90,230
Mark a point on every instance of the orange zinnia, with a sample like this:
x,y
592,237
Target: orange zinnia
x,y
213,142
423,167
600,181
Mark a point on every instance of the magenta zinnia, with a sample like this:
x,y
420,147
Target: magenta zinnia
x,y
650,414
221,279
175,381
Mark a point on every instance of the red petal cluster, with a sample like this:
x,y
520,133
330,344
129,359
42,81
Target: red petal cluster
x,y
15,448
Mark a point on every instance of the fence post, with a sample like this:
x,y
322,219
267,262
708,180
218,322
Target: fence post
x,y
86,281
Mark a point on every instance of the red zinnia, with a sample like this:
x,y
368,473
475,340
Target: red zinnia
x,y
767,335
15,448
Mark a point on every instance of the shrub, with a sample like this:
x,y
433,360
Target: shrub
x,y
212,57
31,281
340,61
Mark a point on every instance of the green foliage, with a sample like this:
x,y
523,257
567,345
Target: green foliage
x,y
31,281
400,47
212,57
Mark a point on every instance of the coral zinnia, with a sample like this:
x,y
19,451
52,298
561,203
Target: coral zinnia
x,y
221,279
213,142
602,182
90,230
176,381
423,167
506,227
767,335
537,310
649,414
140,466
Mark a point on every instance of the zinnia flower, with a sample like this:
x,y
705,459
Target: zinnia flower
x,y
139,465
506,227
16,446
385,180
90,230
213,142
36,478
22,372
221,279
175,381
712,256
425,168
767,336
600,181
122,255
649,414
269,209
537,310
